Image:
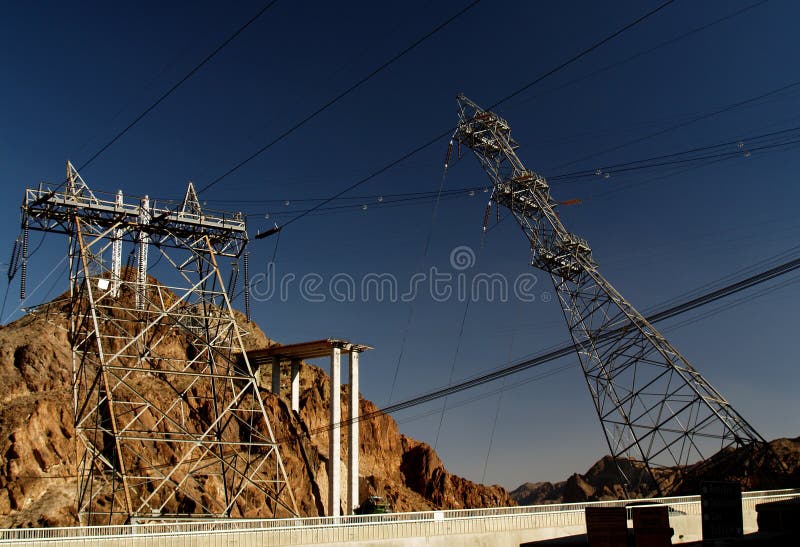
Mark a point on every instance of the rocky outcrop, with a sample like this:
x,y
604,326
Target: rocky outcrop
x,y
602,480
407,472
37,453
425,475
38,482
538,493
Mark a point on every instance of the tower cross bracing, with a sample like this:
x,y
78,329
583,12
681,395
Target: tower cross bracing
x,y
169,420
655,408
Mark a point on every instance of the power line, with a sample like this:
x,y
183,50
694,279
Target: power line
x,y
180,82
435,139
670,174
727,108
28,297
423,257
619,166
457,350
568,177
493,429
568,366
497,103
749,145
568,349
562,351
340,96
386,202
729,305
613,169
580,55
642,53
501,390
752,268
365,179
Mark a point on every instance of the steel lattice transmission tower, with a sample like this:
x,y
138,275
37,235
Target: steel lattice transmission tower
x,y
169,423
654,406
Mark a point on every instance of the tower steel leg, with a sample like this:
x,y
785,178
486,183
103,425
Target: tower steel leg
x,y
656,410
169,422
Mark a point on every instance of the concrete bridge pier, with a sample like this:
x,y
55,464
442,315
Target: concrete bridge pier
x,y
331,348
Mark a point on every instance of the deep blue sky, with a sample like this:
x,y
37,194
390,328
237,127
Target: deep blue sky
x,y
75,74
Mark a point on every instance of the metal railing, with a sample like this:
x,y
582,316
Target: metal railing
x,y
311,530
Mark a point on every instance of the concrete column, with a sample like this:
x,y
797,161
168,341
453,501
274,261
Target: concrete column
x,y
276,376
335,436
352,484
296,385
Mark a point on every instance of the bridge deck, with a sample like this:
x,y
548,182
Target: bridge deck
x,y
494,526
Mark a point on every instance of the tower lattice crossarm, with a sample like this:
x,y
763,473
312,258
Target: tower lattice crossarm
x,y
654,407
168,422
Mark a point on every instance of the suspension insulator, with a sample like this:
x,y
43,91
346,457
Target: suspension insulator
x,y
486,215
234,278
23,275
247,285
449,151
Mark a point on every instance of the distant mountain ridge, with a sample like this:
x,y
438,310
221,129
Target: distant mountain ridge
x,y
602,480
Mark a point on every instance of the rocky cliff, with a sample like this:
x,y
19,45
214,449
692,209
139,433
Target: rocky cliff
x,y
38,482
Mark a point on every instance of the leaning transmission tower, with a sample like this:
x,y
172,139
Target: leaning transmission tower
x,y
169,421
655,408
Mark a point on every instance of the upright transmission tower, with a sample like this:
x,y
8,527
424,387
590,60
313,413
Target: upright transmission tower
x,y
168,423
654,406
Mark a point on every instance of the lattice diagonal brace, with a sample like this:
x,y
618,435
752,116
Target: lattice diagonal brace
x,y
654,407
168,422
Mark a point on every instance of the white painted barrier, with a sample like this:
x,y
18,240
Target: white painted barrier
x,y
493,526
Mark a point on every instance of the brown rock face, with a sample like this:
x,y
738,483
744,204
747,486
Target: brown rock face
x,y
37,454
578,490
406,471
425,475
537,493
38,482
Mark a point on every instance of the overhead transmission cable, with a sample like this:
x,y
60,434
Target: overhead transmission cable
x,y
448,132
560,351
485,395
340,96
163,96
422,259
583,53
642,53
693,120
674,158
568,366
440,136
499,405
670,174
563,368
728,305
457,350
180,82
28,297
749,145
569,348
